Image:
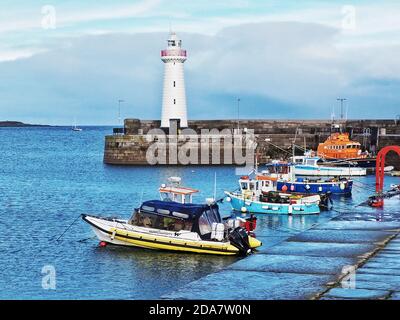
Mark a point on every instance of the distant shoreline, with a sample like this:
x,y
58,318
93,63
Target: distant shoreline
x,y
11,124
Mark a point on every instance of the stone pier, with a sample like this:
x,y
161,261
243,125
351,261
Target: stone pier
x,y
128,145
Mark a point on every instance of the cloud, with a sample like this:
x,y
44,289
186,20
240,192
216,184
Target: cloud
x,y
278,69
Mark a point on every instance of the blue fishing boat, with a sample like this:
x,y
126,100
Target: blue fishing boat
x,y
259,196
287,181
304,185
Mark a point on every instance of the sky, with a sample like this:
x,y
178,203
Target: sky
x,y
63,62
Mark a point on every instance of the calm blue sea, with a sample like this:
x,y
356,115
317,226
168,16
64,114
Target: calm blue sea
x,y
49,176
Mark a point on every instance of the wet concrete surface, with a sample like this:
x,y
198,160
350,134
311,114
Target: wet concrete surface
x,y
356,294
378,278
318,249
341,236
309,265
253,285
293,264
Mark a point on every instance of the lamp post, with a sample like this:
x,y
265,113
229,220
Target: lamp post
x,y
119,110
238,106
341,106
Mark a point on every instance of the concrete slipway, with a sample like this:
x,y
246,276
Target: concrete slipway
x,y
313,264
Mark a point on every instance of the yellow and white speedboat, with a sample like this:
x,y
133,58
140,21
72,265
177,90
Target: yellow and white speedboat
x,y
173,226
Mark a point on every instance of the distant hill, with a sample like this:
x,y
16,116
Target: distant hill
x,y
19,124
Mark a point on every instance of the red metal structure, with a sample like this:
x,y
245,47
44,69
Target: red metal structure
x,y
380,172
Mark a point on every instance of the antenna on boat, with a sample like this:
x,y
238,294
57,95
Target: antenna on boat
x,y
215,186
141,198
256,167
293,144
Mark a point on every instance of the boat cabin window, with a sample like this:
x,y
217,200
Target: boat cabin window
x,y
155,221
206,220
310,162
147,208
165,196
204,225
180,198
169,196
244,185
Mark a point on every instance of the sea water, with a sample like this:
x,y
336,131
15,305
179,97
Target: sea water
x,y
50,176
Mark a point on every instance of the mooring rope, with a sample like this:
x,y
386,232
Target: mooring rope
x,y
76,219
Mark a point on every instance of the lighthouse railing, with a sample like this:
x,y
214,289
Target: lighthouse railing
x,y
180,53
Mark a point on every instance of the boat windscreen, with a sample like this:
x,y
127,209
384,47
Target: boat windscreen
x,y
148,220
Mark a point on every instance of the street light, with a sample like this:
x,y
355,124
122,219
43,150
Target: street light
x,y
119,111
341,106
238,105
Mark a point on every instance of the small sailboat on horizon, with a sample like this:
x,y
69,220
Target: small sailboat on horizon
x,y
76,128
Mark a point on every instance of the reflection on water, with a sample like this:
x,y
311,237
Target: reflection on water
x,y
49,176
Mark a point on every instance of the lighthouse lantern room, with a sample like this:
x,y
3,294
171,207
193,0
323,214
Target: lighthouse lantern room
x,y
174,96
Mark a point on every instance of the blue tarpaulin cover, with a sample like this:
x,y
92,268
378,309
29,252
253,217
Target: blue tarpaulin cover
x,y
192,210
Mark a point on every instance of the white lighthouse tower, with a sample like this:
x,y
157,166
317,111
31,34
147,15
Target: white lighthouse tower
x,y
174,96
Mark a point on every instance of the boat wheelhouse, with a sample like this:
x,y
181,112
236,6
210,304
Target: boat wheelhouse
x,y
177,194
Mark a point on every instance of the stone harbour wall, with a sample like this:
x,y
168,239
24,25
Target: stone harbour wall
x,y
274,138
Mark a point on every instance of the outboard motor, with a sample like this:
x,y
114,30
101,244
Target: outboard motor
x,y
240,239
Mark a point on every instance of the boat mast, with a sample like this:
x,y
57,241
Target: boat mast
x,y
215,186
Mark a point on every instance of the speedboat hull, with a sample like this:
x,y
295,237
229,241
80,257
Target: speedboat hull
x,y
239,203
119,232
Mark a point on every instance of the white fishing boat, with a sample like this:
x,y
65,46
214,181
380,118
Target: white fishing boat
x,y
314,166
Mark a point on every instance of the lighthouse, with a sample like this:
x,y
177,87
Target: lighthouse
x,y
174,96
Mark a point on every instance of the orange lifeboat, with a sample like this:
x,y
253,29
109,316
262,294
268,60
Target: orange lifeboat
x,y
339,146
